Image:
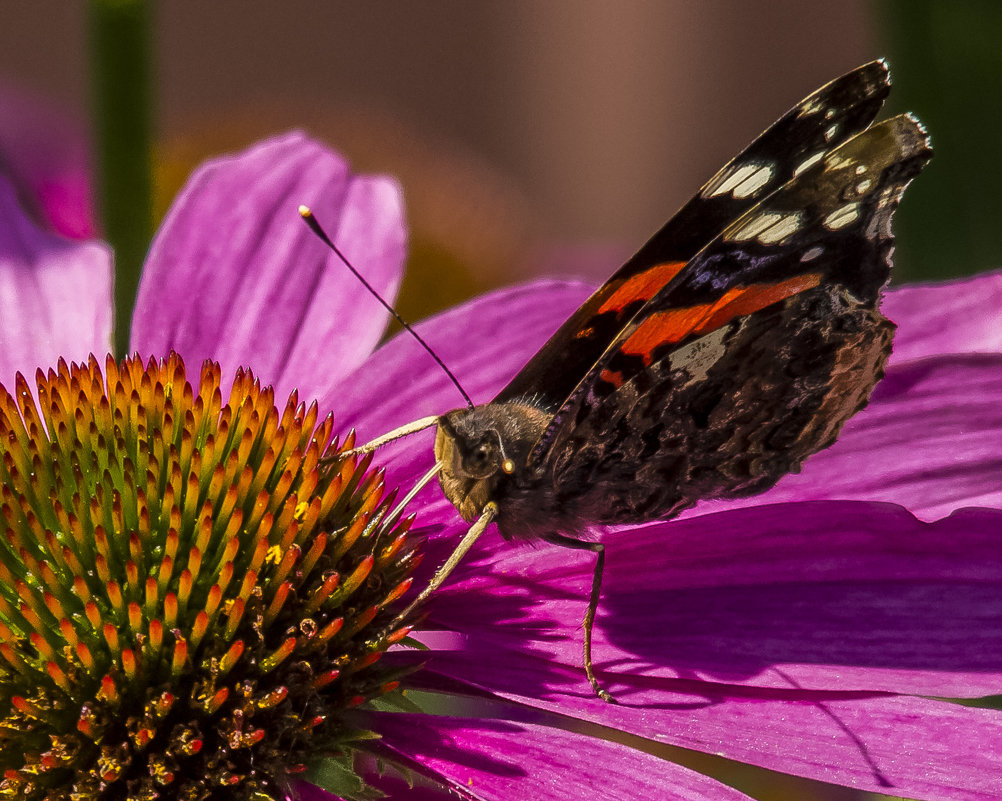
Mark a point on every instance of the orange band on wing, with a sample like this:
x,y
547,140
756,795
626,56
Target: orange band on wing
x,y
642,286
739,302
662,328
674,325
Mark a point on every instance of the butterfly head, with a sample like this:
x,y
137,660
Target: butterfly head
x,y
483,450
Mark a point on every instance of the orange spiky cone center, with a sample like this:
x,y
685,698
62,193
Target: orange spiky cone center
x,y
193,594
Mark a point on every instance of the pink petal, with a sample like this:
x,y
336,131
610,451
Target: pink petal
x,y
236,276
913,747
55,295
931,440
507,760
847,596
952,317
44,153
771,636
484,342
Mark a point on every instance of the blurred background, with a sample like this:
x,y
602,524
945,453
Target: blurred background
x,y
530,136
541,137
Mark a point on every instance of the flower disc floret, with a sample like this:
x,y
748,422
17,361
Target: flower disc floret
x,y
194,594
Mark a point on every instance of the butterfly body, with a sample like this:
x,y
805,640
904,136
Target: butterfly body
x,y
727,416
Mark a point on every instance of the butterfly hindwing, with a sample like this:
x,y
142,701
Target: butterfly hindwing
x,y
799,139
753,357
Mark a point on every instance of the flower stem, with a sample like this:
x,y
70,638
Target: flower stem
x,y
120,53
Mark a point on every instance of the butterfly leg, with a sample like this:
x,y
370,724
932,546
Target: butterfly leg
x,y
397,433
471,536
397,513
596,591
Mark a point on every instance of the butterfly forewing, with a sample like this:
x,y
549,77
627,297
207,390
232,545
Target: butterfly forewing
x,y
799,139
752,359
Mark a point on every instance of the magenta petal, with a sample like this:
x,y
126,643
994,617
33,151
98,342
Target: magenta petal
x,y
55,295
773,636
898,745
814,596
952,317
506,760
931,440
484,342
235,275
44,152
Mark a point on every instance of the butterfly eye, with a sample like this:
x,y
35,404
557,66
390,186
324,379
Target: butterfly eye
x,y
481,459
481,455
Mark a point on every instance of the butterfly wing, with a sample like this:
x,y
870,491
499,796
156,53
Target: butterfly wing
x,y
799,139
753,356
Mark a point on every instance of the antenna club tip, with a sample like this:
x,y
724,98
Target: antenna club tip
x,y
304,212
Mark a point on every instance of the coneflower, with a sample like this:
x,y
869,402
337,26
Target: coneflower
x,y
194,591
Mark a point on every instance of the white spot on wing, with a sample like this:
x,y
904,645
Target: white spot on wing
x,y
809,162
864,186
754,182
756,225
782,230
741,181
768,227
812,106
812,253
834,162
699,356
830,132
842,217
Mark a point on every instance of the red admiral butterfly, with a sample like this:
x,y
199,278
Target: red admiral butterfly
x,y
732,346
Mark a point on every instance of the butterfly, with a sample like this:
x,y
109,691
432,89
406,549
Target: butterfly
x,y
733,345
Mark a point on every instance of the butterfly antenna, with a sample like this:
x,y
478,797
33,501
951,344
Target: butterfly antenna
x,y
307,215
